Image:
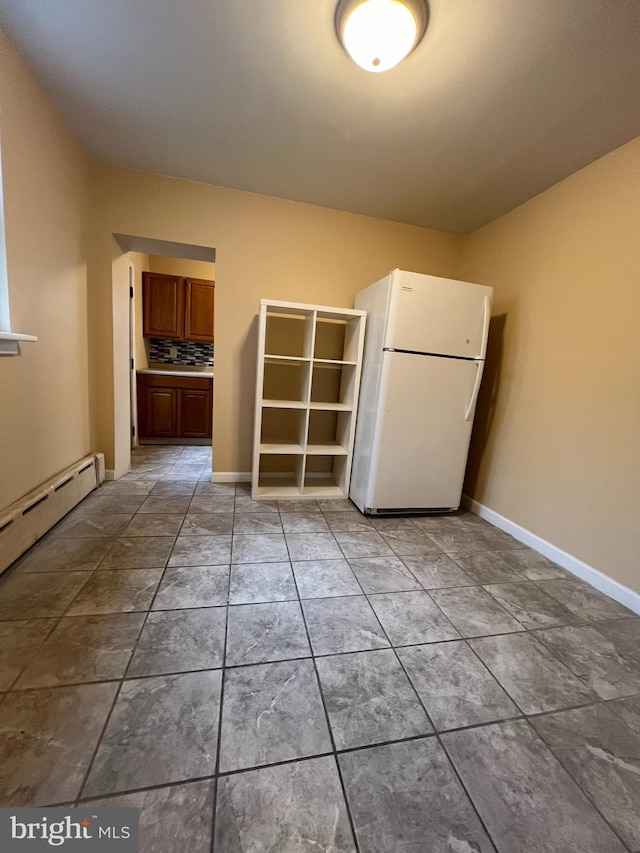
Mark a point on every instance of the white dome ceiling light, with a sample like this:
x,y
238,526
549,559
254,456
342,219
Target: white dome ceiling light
x,y
378,34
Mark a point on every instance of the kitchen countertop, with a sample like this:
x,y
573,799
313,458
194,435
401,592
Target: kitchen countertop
x,y
202,374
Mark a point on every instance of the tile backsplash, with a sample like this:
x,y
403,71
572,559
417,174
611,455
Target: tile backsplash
x,y
181,352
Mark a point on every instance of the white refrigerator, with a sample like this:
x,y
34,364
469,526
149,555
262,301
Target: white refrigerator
x,y
424,356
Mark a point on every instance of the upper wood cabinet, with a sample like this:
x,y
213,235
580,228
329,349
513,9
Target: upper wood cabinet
x,y
177,308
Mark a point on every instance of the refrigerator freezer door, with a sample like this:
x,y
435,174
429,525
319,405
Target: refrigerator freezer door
x,y
421,437
438,315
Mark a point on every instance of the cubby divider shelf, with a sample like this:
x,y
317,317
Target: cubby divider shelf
x,y
309,365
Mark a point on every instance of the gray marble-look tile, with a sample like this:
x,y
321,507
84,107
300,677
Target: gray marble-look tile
x,y
406,796
133,486
530,605
410,542
147,524
252,583
91,526
399,522
259,548
594,659
64,555
341,522
474,612
369,699
172,819
19,642
368,543
162,730
600,747
193,586
47,738
324,578
532,565
412,617
625,636
100,501
530,674
180,641
525,798
342,625
304,522
146,552
291,808
201,551
29,596
313,546
272,712
586,602
173,488
471,538
116,592
383,574
456,688
216,489
84,648
437,571
485,567
166,504
335,505
212,503
303,506
257,522
207,524
244,504
260,633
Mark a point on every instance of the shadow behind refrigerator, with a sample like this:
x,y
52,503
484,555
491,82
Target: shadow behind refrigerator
x,y
423,362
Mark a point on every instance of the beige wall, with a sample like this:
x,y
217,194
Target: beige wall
x,y
562,457
265,247
44,411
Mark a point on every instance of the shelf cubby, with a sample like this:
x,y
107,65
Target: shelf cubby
x,y
309,364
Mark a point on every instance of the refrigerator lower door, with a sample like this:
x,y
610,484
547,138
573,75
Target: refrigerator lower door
x,y
421,436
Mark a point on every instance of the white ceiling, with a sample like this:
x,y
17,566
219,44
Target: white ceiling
x,y
501,99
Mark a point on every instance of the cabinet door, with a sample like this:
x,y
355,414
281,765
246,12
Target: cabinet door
x,y
162,305
195,414
199,310
162,412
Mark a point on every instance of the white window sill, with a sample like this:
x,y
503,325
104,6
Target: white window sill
x,y
10,342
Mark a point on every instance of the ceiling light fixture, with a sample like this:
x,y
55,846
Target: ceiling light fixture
x,y
378,34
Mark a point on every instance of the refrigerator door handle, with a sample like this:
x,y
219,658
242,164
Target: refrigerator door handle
x,y
485,325
476,390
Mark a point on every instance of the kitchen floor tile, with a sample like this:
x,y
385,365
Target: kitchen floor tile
x,y
146,552
292,808
173,488
252,583
530,674
304,522
486,567
64,555
474,612
215,489
412,617
166,504
101,501
173,819
594,659
409,542
272,712
347,522
121,591
207,524
313,546
584,601
84,648
261,633
437,571
257,522
532,607
212,503
298,506
342,625
193,586
180,641
259,548
625,636
369,699
154,525
600,747
455,687
383,574
162,729
365,544
201,551
91,526
244,504
523,795
19,643
47,739
323,578
29,596
406,796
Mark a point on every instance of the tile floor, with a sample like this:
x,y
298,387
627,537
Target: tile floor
x,y
294,677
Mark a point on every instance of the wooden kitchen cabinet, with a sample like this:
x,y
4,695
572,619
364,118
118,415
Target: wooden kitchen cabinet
x,y
174,406
177,308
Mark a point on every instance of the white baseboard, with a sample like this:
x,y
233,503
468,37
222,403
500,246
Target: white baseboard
x,y
231,477
572,564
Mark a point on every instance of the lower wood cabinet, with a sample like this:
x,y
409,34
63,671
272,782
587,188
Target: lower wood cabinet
x,y
174,406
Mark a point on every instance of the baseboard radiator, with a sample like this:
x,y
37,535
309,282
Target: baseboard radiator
x,y
29,518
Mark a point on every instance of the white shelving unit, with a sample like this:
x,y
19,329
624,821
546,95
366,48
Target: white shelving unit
x,y
309,365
